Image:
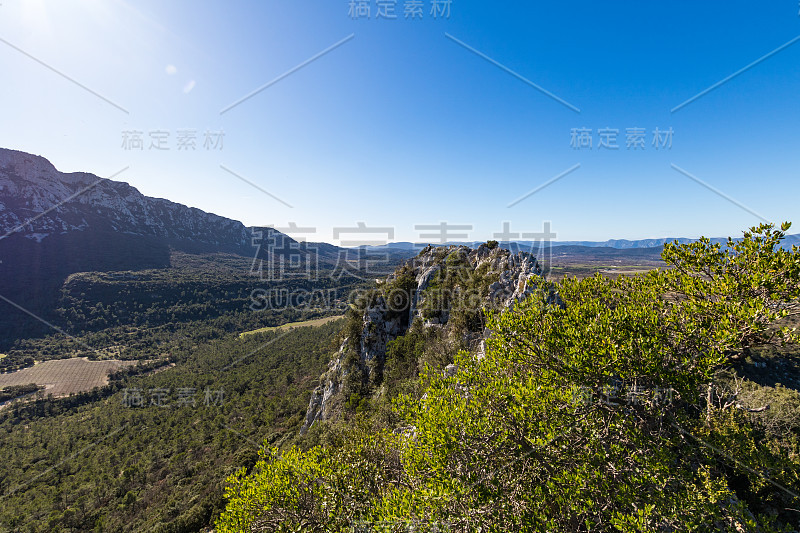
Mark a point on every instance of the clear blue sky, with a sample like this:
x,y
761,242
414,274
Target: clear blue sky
x,y
403,125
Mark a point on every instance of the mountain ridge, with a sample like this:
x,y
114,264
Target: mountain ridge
x,y
38,201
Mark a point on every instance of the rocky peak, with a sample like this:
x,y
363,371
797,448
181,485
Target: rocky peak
x,y
444,288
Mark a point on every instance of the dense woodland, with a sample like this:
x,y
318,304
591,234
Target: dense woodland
x,y
150,313
100,462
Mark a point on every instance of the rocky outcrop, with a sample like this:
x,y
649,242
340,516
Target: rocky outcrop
x,y
379,326
482,277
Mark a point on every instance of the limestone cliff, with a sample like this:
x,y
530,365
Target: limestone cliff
x,y
443,288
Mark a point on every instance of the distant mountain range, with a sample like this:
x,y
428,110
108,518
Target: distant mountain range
x,y
617,244
40,205
39,202
53,224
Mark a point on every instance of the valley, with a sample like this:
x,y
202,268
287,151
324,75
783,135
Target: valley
x,y
428,266
158,383
171,379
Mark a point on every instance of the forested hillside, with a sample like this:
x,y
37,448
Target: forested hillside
x,y
464,392
151,453
144,314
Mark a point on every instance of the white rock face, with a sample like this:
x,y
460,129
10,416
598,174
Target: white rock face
x,y
38,201
518,275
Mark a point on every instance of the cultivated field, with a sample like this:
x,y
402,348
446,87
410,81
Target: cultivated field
x,y
583,262
64,376
292,325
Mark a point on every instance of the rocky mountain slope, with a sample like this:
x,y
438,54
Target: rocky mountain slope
x,y
440,293
53,224
39,202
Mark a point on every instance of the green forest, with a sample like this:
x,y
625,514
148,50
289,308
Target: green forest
x,y
146,314
101,462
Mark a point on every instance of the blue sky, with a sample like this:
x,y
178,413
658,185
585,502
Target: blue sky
x,y
405,124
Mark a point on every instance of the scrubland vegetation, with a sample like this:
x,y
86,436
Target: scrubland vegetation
x,y
631,406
